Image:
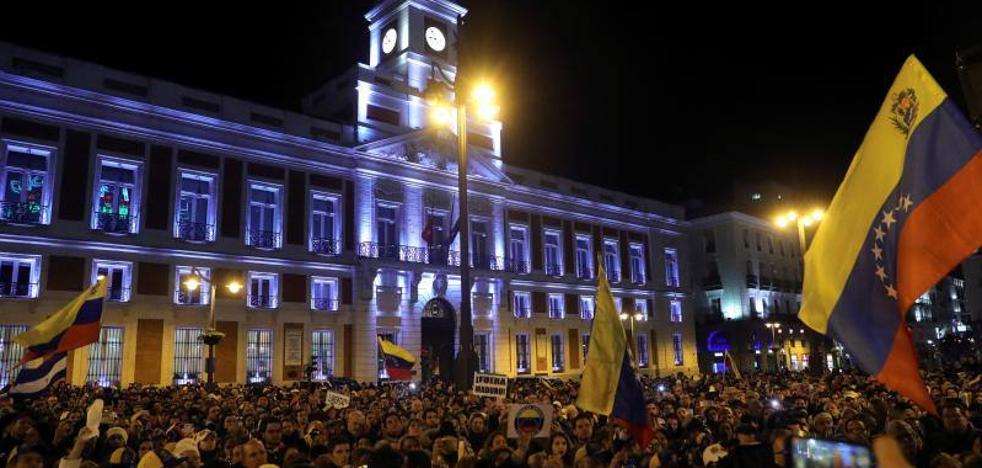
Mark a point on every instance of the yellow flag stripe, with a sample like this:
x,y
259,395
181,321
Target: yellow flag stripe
x,y
602,371
60,320
874,172
390,349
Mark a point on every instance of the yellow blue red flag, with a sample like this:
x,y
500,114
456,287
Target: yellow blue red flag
x,y
905,215
73,326
398,361
609,384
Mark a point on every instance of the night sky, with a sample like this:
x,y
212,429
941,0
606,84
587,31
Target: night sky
x,y
667,103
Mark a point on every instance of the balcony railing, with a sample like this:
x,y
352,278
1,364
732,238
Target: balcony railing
x,y
765,282
402,253
516,266
118,294
584,272
555,313
637,279
190,298
195,232
523,312
554,269
22,212
712,282
614,276
326,246
264,239
751,281
114,223
325,303
437,255
8,289
261,302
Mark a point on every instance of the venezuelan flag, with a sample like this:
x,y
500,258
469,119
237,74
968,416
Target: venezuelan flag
x,y
609,385
905,215
398,362
75,325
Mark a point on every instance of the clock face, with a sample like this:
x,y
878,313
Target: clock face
x,y
389,40
435,39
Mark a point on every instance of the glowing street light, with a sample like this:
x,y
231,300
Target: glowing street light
x,y
813,217
442,114
211,336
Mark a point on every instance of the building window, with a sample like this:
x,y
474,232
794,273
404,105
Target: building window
x,y
386,235
117,196
584,257
435,234
322,349
675,305
479,245
553,253
558,361
671,268
118,277
612,262
482,343
19,275
586,307
586,345
325,238
641,307
746,239
197,296
259,355
188,356
106,357
26,185
678,350
759,244
556,306
521,305
324,293
770,245
518,249
263,290
522,354
642,350
709,240
264,216
637,264
780,244
196,207
10,353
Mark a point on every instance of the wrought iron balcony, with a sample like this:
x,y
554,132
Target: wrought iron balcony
x,y
260,302
114,223
554,269
402,253
22,212
325,303
523,312
264,239
8,289
195,232
614,276
751,281
437,255
584,272
712,282
637,279
326,246
190,297
520,267
765,282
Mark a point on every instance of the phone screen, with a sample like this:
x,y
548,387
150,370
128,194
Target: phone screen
x,y
819,453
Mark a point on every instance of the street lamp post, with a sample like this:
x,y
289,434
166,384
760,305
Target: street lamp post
x,y
483,97
635,317
211,335
774,327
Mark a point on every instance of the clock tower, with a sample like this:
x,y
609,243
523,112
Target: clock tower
x,y
407,38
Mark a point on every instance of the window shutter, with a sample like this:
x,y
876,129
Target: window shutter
x,y
539,302
347,291
572,304
294,288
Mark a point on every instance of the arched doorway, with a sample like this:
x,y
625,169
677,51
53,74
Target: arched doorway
x,y
437,340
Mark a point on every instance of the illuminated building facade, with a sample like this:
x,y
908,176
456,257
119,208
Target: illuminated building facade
x,y
333,219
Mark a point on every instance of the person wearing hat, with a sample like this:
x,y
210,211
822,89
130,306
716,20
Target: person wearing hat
x,y
122,457
188,450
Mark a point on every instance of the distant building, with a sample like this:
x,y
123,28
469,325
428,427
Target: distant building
x,y
747,289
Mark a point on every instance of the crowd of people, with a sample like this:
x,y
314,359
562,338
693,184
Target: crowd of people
x,y
712,420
